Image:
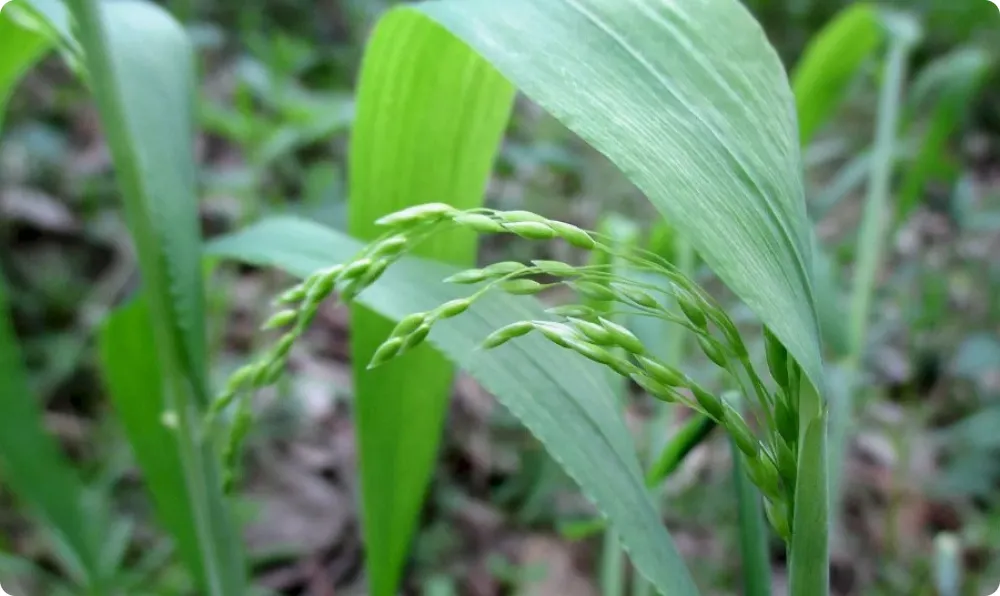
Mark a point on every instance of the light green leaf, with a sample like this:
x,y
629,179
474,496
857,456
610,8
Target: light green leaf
x,y
809,567
690,101
20,48
135,386
830,64
139,64
565,401
33,468
405,134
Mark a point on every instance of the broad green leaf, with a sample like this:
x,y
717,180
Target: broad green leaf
x,y
830,64
563,400
135,385
33,468
405,134
20,48
690,101
945,88
139,63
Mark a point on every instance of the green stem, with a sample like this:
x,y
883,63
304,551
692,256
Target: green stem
x,y
871,239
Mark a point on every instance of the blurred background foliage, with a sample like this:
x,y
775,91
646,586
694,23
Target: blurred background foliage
x,y
922,467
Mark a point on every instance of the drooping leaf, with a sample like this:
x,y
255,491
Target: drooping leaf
x,y
139,64
830,64
402,146
135,386
561,399
33,468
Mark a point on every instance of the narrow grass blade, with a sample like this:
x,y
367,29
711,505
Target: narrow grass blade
x,y
135,385
405,133
20,48
33,468
755,557
945,88
830,64
873,233
563,400
140,67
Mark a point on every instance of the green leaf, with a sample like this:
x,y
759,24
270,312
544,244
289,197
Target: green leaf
x,y
20,48
946,87
135,386
563,400
406,131
830,64
33,468
809,567
140,66
692,104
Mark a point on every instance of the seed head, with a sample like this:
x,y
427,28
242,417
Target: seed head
x,y
573,235
777,358
469,276
416,338
557,333
594,291
522,287
761,471
622,336
507,333
741,433
390,247
637,296
510,217
578,311
281,319
427,212
321,284
713,350
386,352
531,230
691,308
292,295
557,268
594,332
284,346
785,418
355,269
408,324
710,403
663,373
595,353
452,308
654,388
777,516
479,223
786,462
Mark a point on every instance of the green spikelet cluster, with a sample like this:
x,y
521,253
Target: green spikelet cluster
x,y
771,451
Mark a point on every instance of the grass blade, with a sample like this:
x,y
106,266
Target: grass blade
x,y
948,84
809,555
830,64
35,470
135,385
140,65
753,530
397,151
872,235
572,411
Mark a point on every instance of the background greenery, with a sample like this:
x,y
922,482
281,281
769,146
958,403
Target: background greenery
x,y
276,108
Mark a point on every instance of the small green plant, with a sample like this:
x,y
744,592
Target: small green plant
x,y
769,455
